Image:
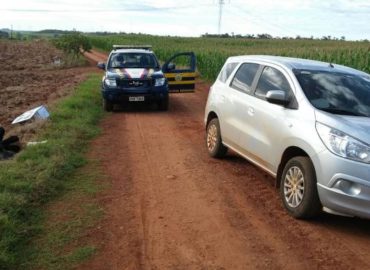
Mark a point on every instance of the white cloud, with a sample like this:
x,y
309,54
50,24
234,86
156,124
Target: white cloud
x,y
193,18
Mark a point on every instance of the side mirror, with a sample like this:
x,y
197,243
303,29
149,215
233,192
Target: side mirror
x,y
171,66
101,65
278,97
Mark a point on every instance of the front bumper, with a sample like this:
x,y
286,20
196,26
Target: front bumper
x,y
343,185
119,95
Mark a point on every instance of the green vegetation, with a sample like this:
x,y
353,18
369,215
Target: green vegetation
x,y
212,52
41,172
73,43
62,244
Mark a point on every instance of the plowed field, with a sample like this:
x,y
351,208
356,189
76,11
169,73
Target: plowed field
x,y
30,77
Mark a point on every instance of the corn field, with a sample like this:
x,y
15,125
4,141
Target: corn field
x,y
212,52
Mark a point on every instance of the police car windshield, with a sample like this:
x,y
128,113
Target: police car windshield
x,y
133,60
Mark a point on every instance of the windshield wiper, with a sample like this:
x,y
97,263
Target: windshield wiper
x,y
343,112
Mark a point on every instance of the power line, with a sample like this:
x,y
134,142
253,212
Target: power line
x,y
261,21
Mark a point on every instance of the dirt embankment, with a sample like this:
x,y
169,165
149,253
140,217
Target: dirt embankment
x,y
171,206
30,76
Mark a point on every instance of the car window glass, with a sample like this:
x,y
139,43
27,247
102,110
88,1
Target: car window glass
x,y
271,79
226,71
132,60
244,77
182,61
335,92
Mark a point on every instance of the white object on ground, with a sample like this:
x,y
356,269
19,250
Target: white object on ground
x,y
36,143
36,113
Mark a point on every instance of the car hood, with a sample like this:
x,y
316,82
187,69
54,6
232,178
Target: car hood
x,y
134,73
355,126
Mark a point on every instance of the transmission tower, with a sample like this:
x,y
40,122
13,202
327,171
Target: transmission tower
x,y
221,3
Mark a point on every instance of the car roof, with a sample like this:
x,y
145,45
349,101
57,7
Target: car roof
x,y
132,51
295,63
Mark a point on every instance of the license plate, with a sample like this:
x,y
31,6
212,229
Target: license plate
x,y
141,98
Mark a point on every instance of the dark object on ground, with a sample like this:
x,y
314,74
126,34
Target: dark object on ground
x,y
9,146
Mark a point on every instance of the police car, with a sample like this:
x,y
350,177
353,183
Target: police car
x,y
133,75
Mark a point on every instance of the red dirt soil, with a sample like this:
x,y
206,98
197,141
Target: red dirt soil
x,y
171,206
29,78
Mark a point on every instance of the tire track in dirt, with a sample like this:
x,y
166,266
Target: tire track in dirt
x,y
287,230
170,206
328,252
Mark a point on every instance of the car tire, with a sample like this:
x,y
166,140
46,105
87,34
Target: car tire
x,y
298,188
214,140
163,104
107,105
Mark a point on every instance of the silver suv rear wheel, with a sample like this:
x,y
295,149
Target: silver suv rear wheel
x,y
214,141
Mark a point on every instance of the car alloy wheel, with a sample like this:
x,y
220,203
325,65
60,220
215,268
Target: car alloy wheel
x,y
294,187
214,141
212,137
298,188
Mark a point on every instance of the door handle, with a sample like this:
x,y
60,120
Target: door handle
x,y
250,111
222,97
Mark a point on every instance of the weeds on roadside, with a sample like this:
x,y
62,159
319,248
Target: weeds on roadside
x,y
41,172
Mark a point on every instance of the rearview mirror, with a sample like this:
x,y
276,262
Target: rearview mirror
x,y
278,97
101,65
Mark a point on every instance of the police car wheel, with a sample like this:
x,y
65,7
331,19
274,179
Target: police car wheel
x,y
107,105
163,104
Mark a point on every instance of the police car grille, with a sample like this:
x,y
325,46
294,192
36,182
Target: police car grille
x,y
127,83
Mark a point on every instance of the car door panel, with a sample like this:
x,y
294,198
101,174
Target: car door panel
x,y
238,88
268,125
241,89
181,78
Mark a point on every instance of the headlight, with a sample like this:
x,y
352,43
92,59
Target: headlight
x,y
160,81
343,145
110,82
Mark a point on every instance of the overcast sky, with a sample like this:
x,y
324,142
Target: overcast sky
x,y
349,18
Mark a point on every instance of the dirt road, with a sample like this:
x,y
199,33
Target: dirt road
x,y
170,206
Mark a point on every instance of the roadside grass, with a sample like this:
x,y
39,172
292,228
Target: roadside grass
x,y
32,233
62,244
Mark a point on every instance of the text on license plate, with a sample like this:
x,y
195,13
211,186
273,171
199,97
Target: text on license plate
x,y
140,98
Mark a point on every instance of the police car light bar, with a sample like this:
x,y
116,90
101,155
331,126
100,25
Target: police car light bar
x,y
144,47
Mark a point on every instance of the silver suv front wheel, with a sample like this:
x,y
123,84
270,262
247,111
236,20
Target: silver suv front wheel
x,y
298,188
294,186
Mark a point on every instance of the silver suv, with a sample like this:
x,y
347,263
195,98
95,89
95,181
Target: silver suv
x,y
304,122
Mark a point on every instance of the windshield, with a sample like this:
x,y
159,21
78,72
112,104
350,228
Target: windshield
x,y
336,92
133,60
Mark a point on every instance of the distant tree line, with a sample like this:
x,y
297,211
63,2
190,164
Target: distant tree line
x,y
55,31
268,36
4,34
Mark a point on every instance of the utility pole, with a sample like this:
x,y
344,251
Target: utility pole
x,y
220,7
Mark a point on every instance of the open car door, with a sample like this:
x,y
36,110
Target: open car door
x,y
180,72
